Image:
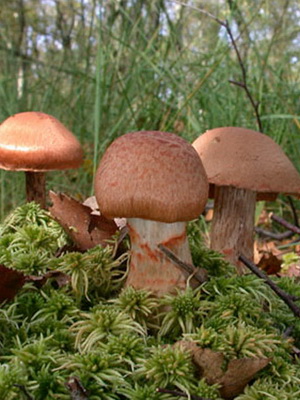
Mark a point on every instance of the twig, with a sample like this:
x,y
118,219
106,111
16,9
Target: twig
x,y
286,224
198,273
272,235
287,298
180,394
244,83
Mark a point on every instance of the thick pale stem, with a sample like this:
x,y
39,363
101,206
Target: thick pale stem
x,y
232,231
149,267
36,187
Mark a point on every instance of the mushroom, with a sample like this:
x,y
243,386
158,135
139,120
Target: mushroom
x,y
35,142
242,166
157,181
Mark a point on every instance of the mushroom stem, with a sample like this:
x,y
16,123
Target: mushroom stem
x,y
36,187
232,231
149,267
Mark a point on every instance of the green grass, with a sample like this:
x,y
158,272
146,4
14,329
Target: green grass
x,y
135,75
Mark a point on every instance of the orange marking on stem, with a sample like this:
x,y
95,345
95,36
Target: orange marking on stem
x,y
175,240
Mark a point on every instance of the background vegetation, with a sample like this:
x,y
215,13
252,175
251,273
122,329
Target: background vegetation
x,y
108,67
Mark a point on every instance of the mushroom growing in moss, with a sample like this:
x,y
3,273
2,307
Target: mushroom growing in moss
x,y
156,180
242,166
35,142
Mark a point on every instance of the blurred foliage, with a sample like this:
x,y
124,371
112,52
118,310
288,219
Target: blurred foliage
x,y
108,67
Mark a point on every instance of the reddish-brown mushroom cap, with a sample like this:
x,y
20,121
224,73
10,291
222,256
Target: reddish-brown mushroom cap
x,y
34,141
246,159
157,181
242,166
151,175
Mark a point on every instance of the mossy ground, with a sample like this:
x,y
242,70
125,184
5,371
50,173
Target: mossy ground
x,y
118,342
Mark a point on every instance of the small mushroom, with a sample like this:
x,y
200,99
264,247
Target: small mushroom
x,y
35,142
242,166
156,180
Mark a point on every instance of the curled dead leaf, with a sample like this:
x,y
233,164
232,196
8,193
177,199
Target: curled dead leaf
x,y
61,279
238,374
270,263
85,228
11,282
210,365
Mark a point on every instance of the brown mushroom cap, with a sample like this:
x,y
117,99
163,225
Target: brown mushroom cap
x,y
151,175
34,141
246,159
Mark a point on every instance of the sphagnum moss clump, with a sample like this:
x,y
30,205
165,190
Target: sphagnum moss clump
x,y
119,341
183,312
101,322
140,304
169,367
95,274
29,239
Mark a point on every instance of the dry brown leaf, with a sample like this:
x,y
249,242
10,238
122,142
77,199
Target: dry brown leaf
x,y
59,277
11,282
92,203
264,219
238,374
292,270
86,230
268,247
270,263
210,364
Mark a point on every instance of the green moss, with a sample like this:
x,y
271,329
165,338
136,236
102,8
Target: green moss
x,y
119,341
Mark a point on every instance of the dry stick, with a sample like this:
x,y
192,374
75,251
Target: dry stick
x,y
286,224
291,228
287,298
272,235
199,274
244,83
180,394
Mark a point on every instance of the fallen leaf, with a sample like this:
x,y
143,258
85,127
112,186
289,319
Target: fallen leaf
x,y
238,374
85,228
267,247
210,365
293,270
92,203
11,282
270,263
59,277
263,219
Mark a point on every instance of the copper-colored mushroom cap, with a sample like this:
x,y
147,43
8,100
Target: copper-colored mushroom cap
x,y
151,175
246,159
34,141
